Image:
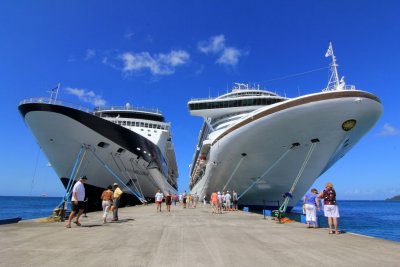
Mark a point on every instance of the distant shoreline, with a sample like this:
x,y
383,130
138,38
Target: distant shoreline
x,y
395,198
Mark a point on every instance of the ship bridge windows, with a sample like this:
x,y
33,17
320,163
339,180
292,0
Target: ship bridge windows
x,y
235,103
141,125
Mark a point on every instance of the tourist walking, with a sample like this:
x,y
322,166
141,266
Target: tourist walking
x,y
204,200
184,199
116,200
331,210
168,201
311,203
106,203
223,201
77,200
214,202
228,200
219,203
159,198
235,200
195,200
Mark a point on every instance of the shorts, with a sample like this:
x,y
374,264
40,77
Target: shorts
x,y
79,206
331,211
311,213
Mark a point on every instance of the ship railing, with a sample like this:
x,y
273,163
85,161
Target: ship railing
x,y
47,100
340,88
129,108
52,101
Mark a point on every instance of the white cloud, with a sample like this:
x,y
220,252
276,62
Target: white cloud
x,y
128,35
159,64
90,53
388,130
87,96
230,56
213,45
216,45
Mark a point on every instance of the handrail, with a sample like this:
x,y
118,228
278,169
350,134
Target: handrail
x,y
53,101
129,108
344,87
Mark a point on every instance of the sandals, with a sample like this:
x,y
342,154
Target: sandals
x,y
78,223
68,226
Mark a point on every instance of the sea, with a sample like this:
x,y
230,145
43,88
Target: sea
x,y
371,218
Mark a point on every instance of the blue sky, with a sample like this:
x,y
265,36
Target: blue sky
x,y
160,54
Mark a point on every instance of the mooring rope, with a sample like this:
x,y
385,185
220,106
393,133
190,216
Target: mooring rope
x,y
117,177
234,171
288,195
130,177
266,172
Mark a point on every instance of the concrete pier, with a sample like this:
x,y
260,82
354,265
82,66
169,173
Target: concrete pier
x,y
187,237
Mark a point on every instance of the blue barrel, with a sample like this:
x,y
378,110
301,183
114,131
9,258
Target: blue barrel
x,y
267,213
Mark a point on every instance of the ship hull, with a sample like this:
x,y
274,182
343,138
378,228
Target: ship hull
x,y
103,151
261,156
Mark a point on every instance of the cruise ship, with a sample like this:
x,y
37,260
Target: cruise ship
x,y
270,149
125,145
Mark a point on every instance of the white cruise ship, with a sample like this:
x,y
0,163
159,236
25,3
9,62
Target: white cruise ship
x,y
265,146
125,145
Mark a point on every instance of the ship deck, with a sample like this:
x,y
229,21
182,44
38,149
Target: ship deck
x,y
187,237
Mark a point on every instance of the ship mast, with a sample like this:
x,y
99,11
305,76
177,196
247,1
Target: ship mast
x,y
334,83
53,94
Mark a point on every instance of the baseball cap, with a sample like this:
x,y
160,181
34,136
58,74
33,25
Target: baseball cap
x,y
115,184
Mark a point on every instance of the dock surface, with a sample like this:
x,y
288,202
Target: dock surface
x,y
187,237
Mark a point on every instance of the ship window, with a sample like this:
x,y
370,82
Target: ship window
x,y
150,125
103,144
158,126
146,125
141,124
155,131
148,134
141,129
124,123
137,124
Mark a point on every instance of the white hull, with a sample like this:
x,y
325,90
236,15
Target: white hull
x,y
61,138
248,149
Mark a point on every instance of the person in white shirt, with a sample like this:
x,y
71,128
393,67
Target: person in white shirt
x,y
159,198
228,200
77,200
220,200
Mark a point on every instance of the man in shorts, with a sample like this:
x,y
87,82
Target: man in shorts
x,y
159,198
77,200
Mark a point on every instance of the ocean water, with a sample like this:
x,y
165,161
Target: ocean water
x,y
27,207
372,218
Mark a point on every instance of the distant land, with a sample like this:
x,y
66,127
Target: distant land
x,y
394,198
